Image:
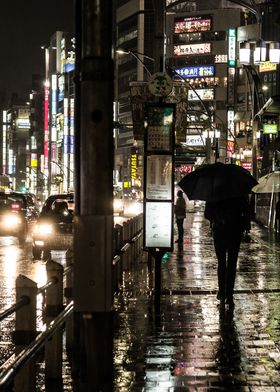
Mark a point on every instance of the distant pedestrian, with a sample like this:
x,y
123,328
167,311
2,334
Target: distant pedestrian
x,y
180,214
229,219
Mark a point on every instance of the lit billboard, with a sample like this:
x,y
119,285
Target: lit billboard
x,y
196,72
270,129
192,49
191,25
204,94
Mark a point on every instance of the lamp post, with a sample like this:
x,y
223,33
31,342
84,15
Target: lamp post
x,y
211,137
215,134
251,54
65,177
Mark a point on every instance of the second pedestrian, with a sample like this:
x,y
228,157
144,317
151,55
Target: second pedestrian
x,y
180,214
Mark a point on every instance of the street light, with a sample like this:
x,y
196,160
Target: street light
x,y
137,56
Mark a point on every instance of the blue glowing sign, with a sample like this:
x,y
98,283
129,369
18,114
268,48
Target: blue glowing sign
x,y
203,71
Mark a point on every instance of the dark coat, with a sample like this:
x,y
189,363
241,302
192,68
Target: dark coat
x,y
230,214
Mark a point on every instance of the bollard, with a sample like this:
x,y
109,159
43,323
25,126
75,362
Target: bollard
x,y
54,305
140,242
129,240
120,264
25,332
125,240
68,294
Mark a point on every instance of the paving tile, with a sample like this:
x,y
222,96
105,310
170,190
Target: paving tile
x,y
193,345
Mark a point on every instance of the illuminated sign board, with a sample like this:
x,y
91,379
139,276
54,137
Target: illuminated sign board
x,y
69,64
194,140
267,67
247,165
191,25
53,108
184,169
231,85
159,177
231,47
196,72
158,224
46,130
270,129
230,122
23,123
204,94
221,59
133,166
192,49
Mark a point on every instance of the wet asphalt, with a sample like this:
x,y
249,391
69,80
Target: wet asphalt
x,y
195,345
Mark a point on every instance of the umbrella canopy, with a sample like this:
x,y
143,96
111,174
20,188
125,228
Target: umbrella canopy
x,y
270,183
218,181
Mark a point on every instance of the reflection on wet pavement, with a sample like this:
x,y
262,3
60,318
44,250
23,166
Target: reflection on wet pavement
x,y
194,345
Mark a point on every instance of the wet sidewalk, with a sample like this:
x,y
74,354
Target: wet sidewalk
x,y
194,345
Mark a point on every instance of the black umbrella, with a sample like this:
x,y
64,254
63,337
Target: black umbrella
x,y
217,181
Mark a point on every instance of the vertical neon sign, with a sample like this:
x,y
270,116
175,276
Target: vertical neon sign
x,y
46,129
71,157
4,145
65,144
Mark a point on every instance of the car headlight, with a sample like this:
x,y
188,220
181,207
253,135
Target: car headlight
x,y
45,228
118,204
11,220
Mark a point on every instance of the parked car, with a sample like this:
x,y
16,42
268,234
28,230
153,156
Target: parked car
x,y
17,213
54,227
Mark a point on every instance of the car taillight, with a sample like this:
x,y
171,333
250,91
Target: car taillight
x,y
15,207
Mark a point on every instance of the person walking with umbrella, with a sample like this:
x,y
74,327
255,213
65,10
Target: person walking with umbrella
x,y
180,214
225,188
229,219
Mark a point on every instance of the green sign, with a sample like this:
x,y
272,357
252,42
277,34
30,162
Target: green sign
x,y
231,47
270,129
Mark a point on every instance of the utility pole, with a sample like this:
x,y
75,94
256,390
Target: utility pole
x,y
93,238
159,36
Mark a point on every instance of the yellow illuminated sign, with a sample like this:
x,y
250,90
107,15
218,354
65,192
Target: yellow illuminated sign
x,y
267,67
133,166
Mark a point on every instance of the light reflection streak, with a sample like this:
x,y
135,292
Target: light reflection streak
x,y
10,256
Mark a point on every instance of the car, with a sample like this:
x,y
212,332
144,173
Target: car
x,y
134,207
17,213
118,206
54,227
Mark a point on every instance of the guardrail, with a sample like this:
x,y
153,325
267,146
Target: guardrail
x,y
18,374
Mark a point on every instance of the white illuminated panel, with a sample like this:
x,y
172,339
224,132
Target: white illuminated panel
x,y
158,225
194,140
23,123
231,47
206,94
193,49
230,121
54,109
159,177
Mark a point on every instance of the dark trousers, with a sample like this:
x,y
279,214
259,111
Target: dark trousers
x,y
227,245
180,226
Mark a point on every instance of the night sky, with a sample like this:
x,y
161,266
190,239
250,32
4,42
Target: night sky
x,y
25,26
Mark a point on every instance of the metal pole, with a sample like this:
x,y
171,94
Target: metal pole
x,y
92,286
159,36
